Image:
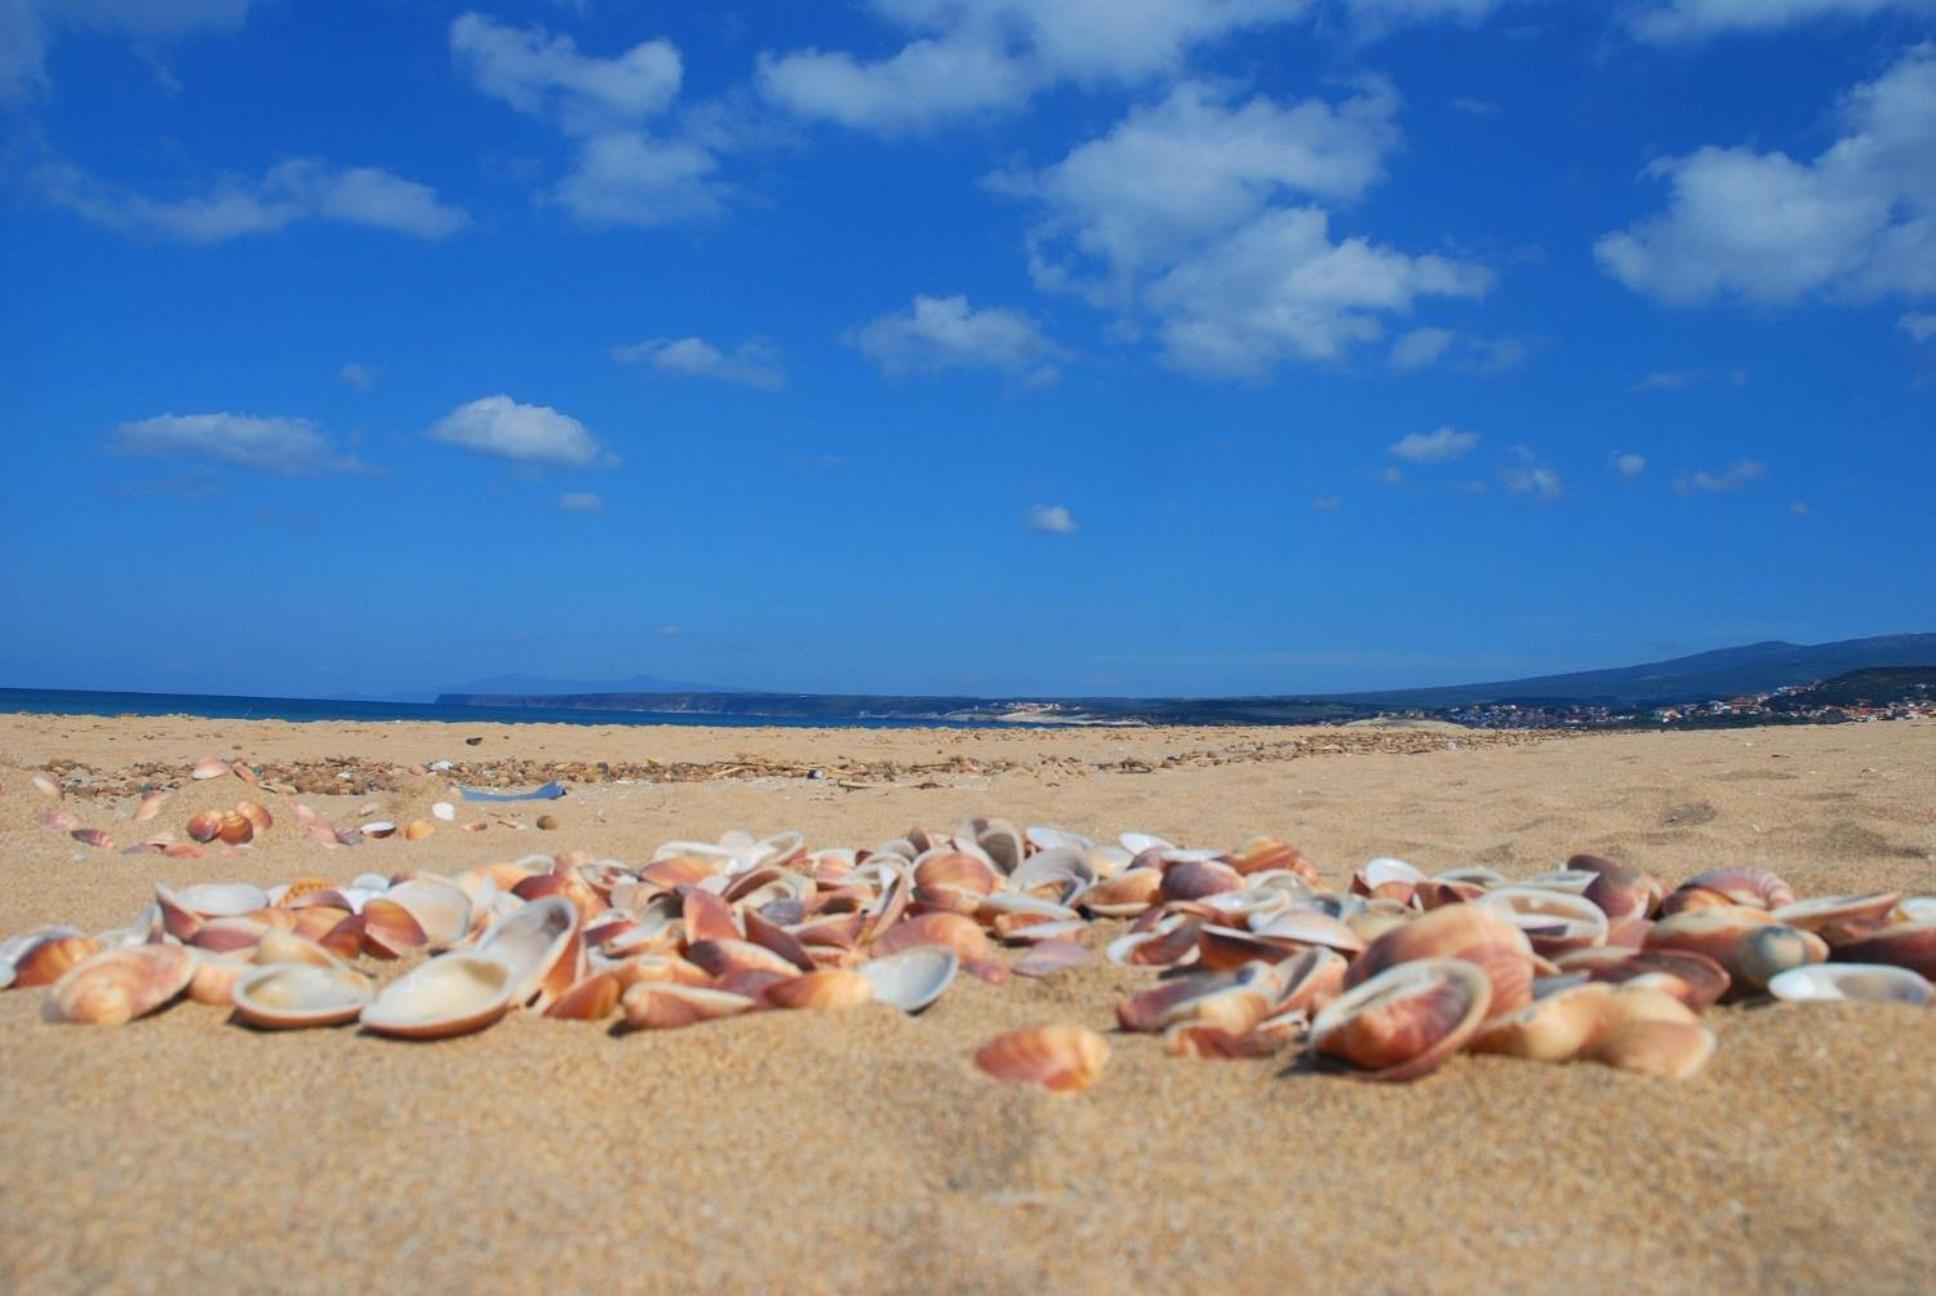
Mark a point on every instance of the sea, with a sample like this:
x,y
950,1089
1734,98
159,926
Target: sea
x,y
216,706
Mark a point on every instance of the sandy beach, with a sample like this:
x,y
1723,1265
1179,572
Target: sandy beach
x,y
862,1150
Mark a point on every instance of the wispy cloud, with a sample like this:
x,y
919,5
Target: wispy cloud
x,y
1629,466
362,377
1440,446
1051,519
1740,473
581,502
1920,326
286,447
1425,348
1536,480
752,364
944,333
1665,380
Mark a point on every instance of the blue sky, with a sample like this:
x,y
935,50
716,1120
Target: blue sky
x,y
1095,346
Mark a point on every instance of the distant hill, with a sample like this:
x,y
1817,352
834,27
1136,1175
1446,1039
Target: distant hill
x,y
1753,668
1877,686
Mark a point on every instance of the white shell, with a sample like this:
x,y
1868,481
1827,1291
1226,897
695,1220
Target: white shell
x,y
912,978
215,899
289,996
1867,982
444,810
531,940
452,994
441,908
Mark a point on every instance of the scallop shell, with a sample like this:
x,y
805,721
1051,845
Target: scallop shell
x,y
118,985
1062,1058
913,978
452,994
1406,1020
1866,982
291,996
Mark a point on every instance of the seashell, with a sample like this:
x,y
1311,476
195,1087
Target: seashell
x,y
949,931
1620,890
1482,937
209,767
1194,879
1170,942
183,911
1552,1028
1265,854
205,826
725,957
1822,911
390,930
93,837
1920,908
58,820
664,1005
293,996
824,990
118,985
234,829
998,839
345,939
452,994
1434,893
1062,1058
1864,982
659,967
1748,943
242,771
1031,929
441,908
289,947
1312,927
953,880
1046,958
1474,874
46,785
1193,1039
707,918
443,810
678,871
257,814
1698,980
1124,896
1755,888
1234,1003
1387,879
1310,981
542,946
1666,1050
1404,1021
48,959
1569,880
913,978
593,999
886,910
1225,949
1061,874
1909,945
230,935
215,978
417,829
569,886
377,829
1145,1010
770,935
1554,921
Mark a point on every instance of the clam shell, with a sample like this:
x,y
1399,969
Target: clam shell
x,y
1866,982
1194,1039
1124,896
1909,945
666,1005
593,999
1755,887
913,978
452,994
1748,943
1482,937
118,985
1062,1058
1046,958
1387,879
1552,1028
1820,911
47,960
1405,1021
216,976
1665,1050
1194,879
1554,921
540,943
291,996
209,767
1061,874
441,908
949,931
824,990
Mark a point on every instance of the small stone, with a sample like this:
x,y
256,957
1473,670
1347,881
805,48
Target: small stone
x,y
547,822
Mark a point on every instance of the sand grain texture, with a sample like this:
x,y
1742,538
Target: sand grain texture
x,y
862,1151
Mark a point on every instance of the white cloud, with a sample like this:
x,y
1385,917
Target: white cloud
x,y
1439,446
362,377
1535,480
1856,223
296,190
1686,20
581,502
1327,503
1051,519
631,178
1799,508
500,426
1662,380
1629,466
286,447
1741,472
1920,326
941,333
620,174
545,75
27,28
753,364
971,56
1202,214
1422,348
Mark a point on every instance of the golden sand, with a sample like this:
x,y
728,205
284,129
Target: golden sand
x,y
863,1151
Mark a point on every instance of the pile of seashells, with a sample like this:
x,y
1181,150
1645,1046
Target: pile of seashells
x,y
1248,956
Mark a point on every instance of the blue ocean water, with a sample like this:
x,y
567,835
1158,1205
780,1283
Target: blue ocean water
x,y
221,707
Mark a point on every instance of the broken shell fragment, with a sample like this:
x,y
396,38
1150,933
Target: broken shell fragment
x,y
1062,1058
118,985
291,996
